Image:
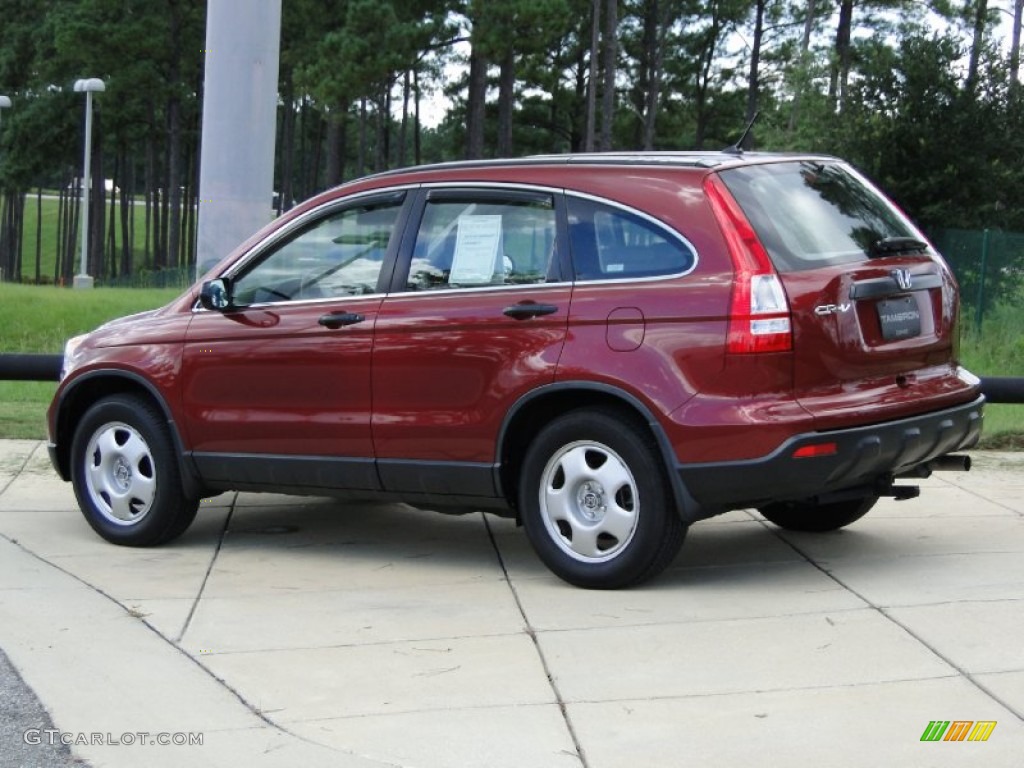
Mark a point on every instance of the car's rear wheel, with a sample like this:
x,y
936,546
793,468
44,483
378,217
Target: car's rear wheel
x,y
126,476
815,517
596,503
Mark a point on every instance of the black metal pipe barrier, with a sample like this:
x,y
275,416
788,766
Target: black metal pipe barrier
x,y
30,367
997,389
1003,389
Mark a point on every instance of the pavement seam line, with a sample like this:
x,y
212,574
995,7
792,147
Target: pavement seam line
x,y
532,634
970,677
209,570
254,710
976,494
19,470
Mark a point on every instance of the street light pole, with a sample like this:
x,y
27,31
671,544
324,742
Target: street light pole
x,y
89,87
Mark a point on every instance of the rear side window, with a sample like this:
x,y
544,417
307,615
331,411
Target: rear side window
x,y
610,243
813,214
476,241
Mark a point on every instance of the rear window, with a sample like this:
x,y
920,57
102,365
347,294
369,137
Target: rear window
x,y
813,214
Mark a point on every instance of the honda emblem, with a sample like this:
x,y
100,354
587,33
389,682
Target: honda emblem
x,y
903,279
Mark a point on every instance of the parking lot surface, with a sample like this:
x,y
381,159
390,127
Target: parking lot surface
x,y
286,631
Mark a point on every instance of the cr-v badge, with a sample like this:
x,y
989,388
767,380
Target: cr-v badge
x,y
832,309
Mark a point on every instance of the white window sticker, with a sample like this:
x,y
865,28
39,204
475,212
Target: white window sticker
x,y
476,250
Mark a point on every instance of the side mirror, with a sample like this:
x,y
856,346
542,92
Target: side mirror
x,y
215,295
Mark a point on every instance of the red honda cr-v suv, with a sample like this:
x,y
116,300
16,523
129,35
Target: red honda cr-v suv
x,y
607,347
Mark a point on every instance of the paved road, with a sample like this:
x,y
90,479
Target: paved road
x,y
291,631
24,722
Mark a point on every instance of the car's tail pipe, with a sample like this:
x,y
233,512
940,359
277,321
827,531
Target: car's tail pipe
x,y
951,462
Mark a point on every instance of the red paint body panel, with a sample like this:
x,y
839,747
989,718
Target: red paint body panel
x,y
447,367
275,381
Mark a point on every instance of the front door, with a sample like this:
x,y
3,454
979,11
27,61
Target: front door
x,y
277,390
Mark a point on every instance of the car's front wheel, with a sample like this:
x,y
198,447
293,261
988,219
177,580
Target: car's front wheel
x,y
595,501
126,476
815,517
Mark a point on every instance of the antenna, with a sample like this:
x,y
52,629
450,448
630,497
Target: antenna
x,y
737,148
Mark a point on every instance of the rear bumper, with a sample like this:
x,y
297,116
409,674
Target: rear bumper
x,y
863,454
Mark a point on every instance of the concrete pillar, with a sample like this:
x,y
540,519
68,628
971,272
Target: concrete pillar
x,y
236,174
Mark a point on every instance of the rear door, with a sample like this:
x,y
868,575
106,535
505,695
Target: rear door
x,y
475,319
873,305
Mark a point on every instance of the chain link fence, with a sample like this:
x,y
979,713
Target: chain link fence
x,y
989,265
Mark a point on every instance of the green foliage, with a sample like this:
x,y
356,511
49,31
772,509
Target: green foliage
x,y
946,149
40,320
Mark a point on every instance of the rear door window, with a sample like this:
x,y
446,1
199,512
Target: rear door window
x,y
813,214
477,239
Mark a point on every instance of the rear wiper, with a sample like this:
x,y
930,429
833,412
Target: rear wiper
x,y
888,246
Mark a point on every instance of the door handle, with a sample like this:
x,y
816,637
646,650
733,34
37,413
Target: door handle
x,y
527,310
339,319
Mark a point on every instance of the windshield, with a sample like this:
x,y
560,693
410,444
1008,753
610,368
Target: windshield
x,y
811,214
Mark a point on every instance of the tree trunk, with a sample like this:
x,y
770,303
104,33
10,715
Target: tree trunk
x,y
977,43
97,202
39,235
589,138
611,30
174,158
1018,10
127,214
841,65
111,253
403,130
417,128
506,102
361,167
476,103
337,120
287,143
805,47
655,60
417,132
754,84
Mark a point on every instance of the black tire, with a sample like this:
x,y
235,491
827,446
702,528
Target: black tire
x,y
596,503
126,475
817,518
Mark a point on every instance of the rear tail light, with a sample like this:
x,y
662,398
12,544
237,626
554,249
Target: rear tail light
x,y
759,316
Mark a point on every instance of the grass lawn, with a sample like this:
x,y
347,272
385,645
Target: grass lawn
x,y
40,319
997,349
49,210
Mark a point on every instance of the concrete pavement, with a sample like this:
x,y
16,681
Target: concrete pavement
x,y
285,631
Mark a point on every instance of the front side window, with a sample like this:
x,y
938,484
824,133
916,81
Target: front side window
x,y
469,242
610,243
339,255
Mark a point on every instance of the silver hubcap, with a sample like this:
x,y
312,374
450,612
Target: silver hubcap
x,y
589,502
120,473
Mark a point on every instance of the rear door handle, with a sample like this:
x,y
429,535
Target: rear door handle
x,y
339,319
527,310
